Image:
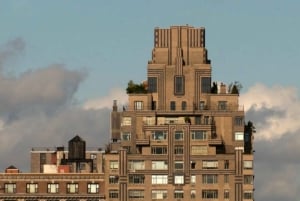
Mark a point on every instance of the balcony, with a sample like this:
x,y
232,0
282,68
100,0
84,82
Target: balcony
x,y
144,141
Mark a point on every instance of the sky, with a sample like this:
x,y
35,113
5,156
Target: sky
x,y
62,63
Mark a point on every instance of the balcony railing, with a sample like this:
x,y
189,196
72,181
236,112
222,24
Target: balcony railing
x,y
215,107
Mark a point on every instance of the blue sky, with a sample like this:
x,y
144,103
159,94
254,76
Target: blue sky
x,y
63,62
248,41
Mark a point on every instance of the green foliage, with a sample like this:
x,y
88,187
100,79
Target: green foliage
x,y
235,87
135,88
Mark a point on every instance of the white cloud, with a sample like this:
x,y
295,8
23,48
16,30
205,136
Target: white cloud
x,y
274,110
107,101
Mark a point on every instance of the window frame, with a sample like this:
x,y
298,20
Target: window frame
x,y
52,188
138,105
179,179
179,85
152,84
113,193
113,164
32,188
10,188
93,188
72,188
178,135
201,135
159,179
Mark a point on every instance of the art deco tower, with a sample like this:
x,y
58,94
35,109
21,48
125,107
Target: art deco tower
x,y
181,136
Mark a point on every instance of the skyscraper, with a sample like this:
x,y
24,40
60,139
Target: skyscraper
x,y
181,136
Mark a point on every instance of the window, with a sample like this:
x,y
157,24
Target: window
x,y
205,84
248,195
93,188
210,194
113,179
136,165
210,164
128,148
114,164
239,136
226,194
197,120
113,193
239,121
248,179
126,121
10,188
178,194
193,179
178,150
178,135
152,84
159,194
159,135
183,105
178,165
159,165
126,136
193,164
138,105
136,178
226,164
179,85
209,179
93,156
159,150
248,164
199,150
226,178
222,105
199,135
53,188
202,105
72,188
31,188
159,179
179,179
137,194
193,194
172,105
206,120
149,120
153,105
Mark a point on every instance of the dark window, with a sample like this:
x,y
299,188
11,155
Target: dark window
x,y
205,84
210,194
172,105
153,105
152,84
136,179
222,105
226,164
239,121
183,105
178,150
179,85
198,120
159,150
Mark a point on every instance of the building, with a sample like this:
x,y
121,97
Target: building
x,y
57,175
181,136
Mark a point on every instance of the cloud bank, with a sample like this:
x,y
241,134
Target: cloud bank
x,y
38,109
275,112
